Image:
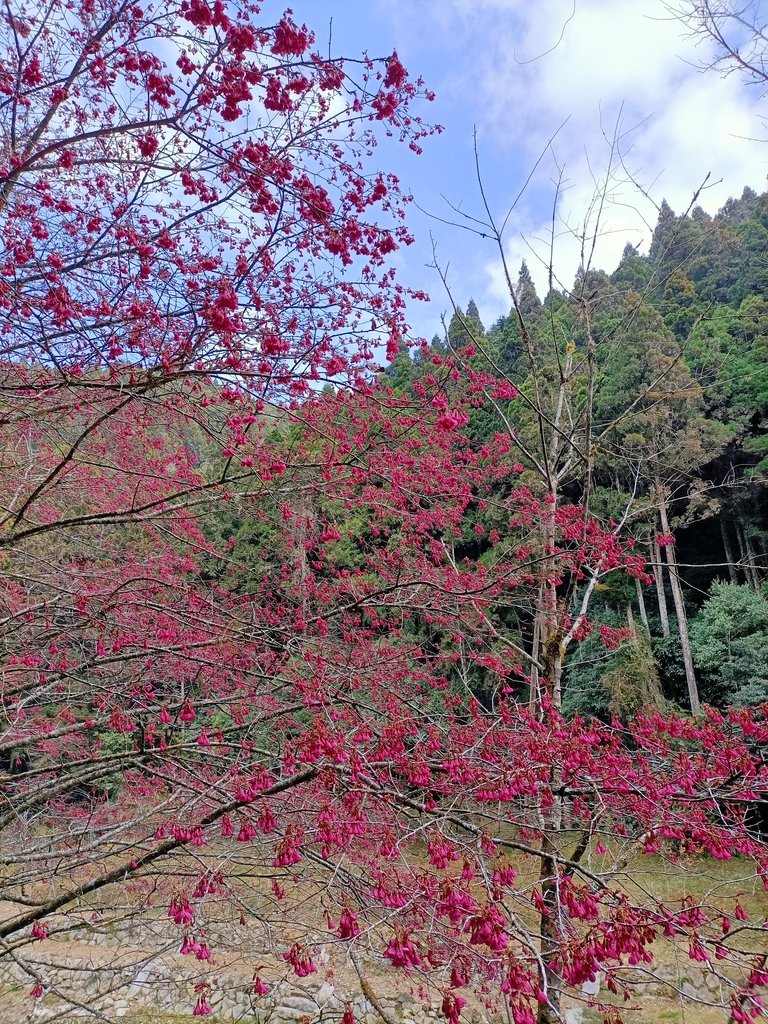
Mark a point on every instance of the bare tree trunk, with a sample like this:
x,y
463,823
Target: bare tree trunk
x,y
641,604
549,1012
551,634
535,654
661,595
677,597
746,559
552,657
728,548
551,652
752,560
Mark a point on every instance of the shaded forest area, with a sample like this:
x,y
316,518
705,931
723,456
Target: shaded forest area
x,y
681,343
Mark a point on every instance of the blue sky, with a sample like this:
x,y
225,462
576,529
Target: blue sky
x,y
518,71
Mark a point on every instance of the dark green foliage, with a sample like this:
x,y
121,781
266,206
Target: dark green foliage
x,y
729,638
465,328
668,660
612,684
528,302
505,343
678,340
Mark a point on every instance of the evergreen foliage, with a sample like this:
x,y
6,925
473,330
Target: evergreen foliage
x,y
680,339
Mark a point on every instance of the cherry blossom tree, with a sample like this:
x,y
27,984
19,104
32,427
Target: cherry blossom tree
x,y
575,425
276,744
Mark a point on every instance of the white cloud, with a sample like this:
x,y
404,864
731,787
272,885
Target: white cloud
x,y
612,62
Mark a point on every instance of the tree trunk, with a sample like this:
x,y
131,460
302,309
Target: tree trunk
x,y
728,548
631,621
551,656
641,605
549,1012
752,560
535,654
746,559
661,595
550,630
682,620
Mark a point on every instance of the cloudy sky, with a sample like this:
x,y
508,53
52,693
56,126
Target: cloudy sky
x,y
616,82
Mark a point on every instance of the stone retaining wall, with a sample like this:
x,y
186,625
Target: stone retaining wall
x,y
123,991
130,968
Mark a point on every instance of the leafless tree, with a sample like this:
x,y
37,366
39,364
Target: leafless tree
x,y
735,35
